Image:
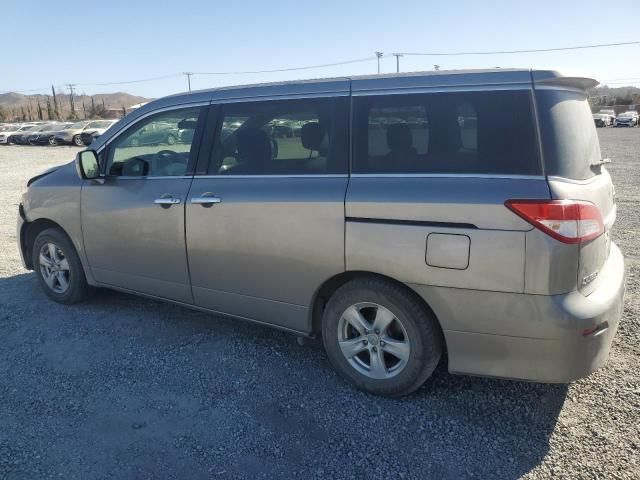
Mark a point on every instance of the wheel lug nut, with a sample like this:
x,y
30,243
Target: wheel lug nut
x,y
381,343
377,331
375,349
365,342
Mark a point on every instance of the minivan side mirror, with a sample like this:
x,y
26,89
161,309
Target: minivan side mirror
x,y
87,165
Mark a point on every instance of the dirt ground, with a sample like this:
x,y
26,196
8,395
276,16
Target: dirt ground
x,y
124,387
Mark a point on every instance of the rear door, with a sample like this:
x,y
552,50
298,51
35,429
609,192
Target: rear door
x,y
431,173
265,224
573,165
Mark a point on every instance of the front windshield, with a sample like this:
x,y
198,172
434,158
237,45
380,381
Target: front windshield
x,y
78,125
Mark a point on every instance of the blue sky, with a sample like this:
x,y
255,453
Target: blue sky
x,y
94,42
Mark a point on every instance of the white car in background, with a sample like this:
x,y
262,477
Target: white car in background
x,y
627,119
611,113
91,133
15,130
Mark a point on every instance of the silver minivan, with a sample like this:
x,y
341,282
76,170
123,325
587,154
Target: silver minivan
x,y
404,218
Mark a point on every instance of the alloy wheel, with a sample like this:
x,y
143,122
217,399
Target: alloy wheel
x,y
54,267
373,340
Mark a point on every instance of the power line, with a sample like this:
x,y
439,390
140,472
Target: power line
x,y
151,79
377,57
291,69
505,52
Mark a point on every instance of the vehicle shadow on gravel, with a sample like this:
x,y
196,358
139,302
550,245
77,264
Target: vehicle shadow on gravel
x,y
191,392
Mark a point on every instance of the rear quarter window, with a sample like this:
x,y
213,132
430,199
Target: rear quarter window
x,y
446,133
569,138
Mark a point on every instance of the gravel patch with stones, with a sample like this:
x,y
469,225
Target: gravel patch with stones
x,y
124,387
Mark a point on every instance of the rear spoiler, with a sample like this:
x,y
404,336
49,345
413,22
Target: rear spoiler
x,y
550,77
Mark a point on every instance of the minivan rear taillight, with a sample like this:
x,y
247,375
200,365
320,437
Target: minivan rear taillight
x,y
570,221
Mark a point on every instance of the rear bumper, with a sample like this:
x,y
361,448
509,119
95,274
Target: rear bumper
x,y
559,352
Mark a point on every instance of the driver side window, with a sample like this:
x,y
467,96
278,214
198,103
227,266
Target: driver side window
x,y
158,146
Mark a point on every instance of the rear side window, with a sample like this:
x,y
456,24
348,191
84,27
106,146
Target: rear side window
x,y
283,137
569,137
446,133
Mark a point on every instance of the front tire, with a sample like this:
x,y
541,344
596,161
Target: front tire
x,y
381,337
77,141
58,267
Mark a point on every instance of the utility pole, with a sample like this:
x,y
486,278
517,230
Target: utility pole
x,y
188,74
397,55
379,56
71,86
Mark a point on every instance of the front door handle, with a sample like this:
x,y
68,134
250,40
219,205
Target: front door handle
x,y
206,199
166,201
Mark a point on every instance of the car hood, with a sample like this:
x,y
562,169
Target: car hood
x,y
43,174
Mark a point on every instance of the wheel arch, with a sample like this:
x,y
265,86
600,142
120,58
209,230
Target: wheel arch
x,y
332,284
30,230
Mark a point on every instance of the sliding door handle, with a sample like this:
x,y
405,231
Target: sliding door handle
x,y
206,199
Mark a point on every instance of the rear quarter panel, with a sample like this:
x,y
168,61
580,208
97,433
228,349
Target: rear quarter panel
x,y
390,218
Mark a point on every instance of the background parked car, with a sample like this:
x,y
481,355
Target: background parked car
x,y
627,119
154,134
23,138
610,112
47,136
7,136
89,134
73,135
601,120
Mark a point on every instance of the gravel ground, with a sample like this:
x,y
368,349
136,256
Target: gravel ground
x,y
123,387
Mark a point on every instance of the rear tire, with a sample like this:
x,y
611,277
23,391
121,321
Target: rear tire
x,y
58,267
52,141
397,347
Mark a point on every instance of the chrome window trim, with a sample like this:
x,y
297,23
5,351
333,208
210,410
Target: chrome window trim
x,y
180,106
337,175
154,177
396,90
272,97
447,175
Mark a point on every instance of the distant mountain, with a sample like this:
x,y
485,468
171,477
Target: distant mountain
x,y
16,106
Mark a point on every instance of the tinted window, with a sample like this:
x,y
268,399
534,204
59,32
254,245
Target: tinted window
x,y
487,132
288,137
569,136
156,146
